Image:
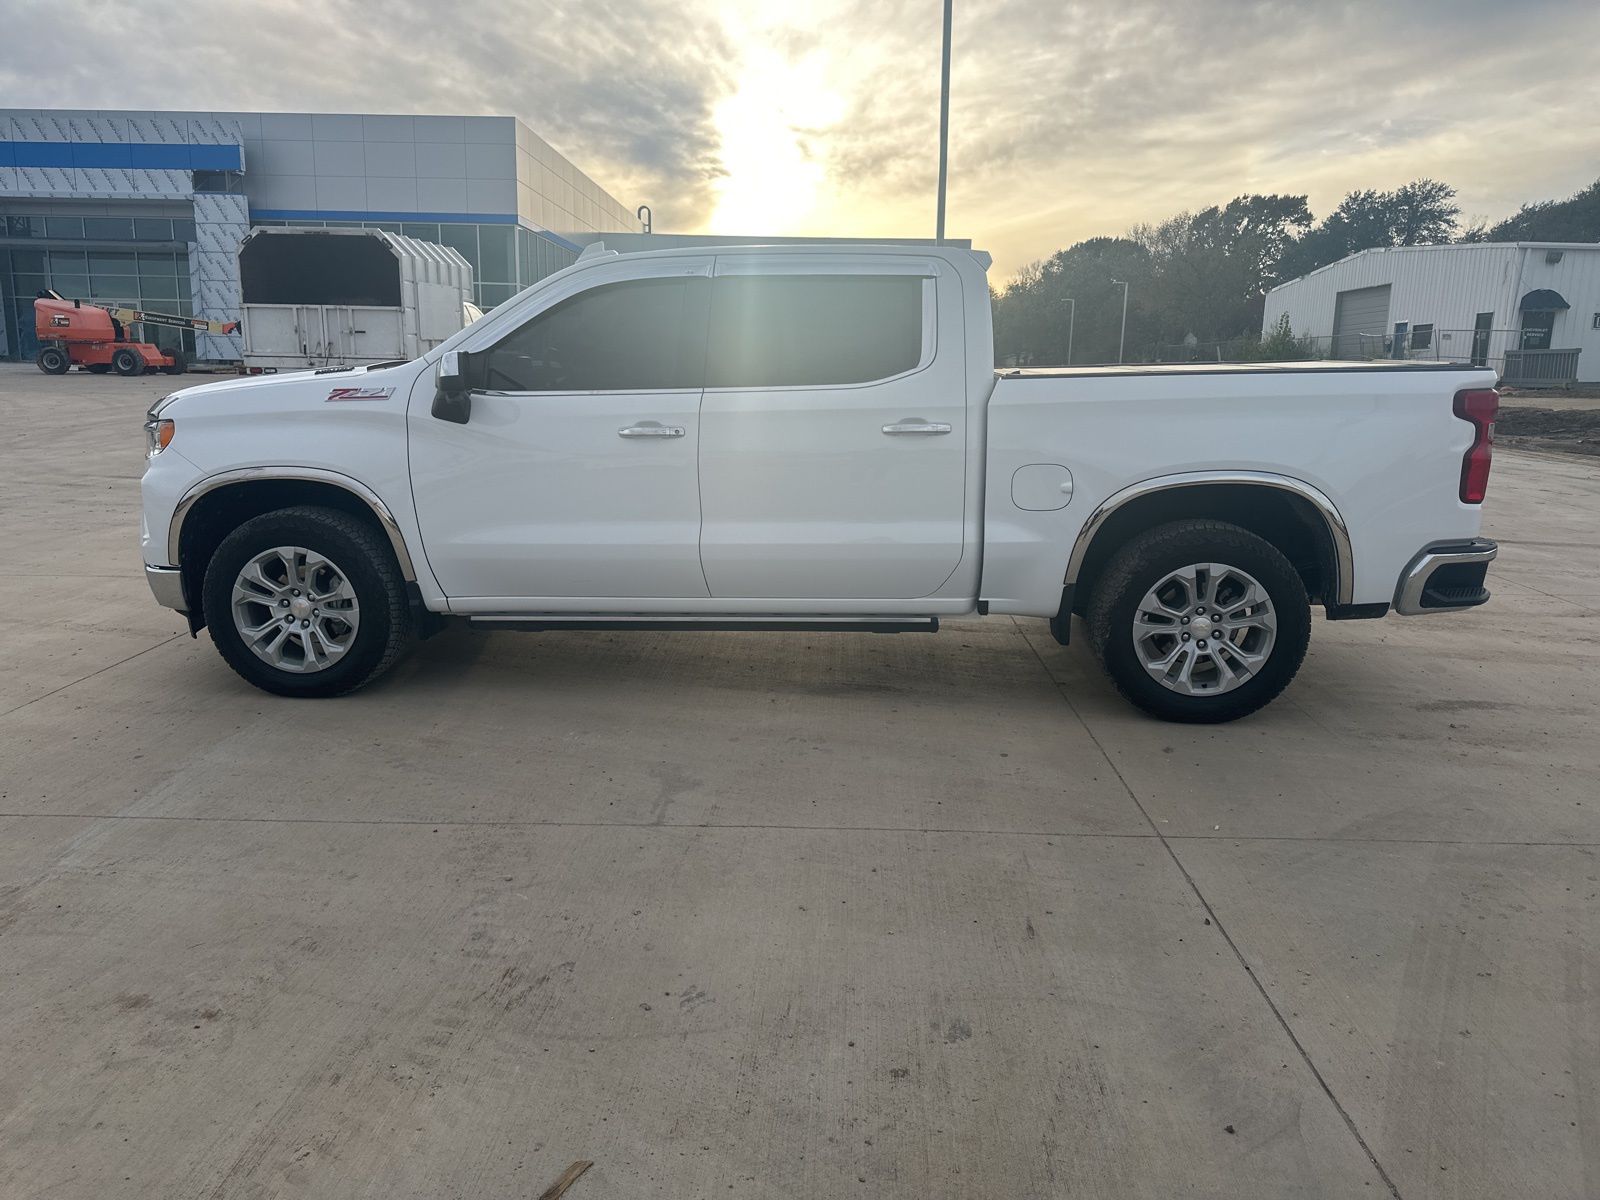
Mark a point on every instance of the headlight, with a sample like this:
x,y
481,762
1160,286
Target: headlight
x,y
157,436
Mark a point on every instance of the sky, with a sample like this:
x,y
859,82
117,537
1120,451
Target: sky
x,y
1069,118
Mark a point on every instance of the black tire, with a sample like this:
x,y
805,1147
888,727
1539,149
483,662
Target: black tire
x,y
1143,563
98,368
179,363
53,360
362,552
127,362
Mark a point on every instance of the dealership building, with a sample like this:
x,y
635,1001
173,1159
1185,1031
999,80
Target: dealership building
x,y
146,209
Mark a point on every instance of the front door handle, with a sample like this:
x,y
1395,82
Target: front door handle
x,y
652,431
918,427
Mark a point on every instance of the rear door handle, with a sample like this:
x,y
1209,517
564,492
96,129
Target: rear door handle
x,y
660,431
918,427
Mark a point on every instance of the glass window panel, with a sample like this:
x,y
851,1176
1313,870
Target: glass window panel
x,y
152,229
29,285
64,227
31,260
389,226
122,288
73,287
156,264
616,337
525,274
111,229
18,226
107,262
426,230
496,261
158,289
182,230
463,238
183,285
812,330
491,294
68,260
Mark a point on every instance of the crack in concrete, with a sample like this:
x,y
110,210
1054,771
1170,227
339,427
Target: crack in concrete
x,y
1216,920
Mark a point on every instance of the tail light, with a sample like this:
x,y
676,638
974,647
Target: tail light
x,y
1480,408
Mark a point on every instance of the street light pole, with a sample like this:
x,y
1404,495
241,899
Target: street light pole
x,y
1122,338
944,119
1072,321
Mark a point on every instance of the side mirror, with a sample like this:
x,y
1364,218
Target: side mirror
x,y
458,375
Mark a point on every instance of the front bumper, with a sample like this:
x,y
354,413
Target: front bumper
x,y
1445,576
167,584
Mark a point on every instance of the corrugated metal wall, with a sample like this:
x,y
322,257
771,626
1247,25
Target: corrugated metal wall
x,y
1447,287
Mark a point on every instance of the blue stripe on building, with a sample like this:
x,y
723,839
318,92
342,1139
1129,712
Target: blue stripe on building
x,y
147,156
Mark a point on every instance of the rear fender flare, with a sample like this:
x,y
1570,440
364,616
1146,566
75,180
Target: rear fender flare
x,y
1338,530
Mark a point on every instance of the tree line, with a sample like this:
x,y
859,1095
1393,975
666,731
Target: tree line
x,y
1202,277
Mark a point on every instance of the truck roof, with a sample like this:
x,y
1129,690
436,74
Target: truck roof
x,y
598,250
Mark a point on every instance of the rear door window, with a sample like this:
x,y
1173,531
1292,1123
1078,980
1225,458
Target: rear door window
x,y
813,330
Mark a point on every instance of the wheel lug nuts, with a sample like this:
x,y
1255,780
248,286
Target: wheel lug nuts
x,y
1186,637
283,604
1202,643
1186,620
305,624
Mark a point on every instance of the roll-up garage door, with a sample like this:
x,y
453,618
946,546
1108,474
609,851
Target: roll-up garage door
x,y
1361,311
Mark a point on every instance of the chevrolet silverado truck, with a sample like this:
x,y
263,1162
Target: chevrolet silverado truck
x,y
814,438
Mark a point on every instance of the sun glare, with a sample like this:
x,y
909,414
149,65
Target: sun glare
x,y
772,143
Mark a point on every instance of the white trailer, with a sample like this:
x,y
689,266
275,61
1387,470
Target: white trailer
x,y
347,297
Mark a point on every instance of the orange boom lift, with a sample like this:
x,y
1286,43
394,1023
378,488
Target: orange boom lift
x,y
72,333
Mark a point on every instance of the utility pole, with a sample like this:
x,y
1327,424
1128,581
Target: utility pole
x,y
1072,321
944,119
1122,338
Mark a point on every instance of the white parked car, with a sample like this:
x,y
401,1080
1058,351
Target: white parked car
x,y
811,437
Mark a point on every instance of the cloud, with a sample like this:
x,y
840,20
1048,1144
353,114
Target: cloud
x,y
1070,118
1076,119
625,90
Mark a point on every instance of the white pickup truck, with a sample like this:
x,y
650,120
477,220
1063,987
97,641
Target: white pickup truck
x,y
815,438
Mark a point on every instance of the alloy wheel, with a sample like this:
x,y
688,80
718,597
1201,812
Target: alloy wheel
x,y
295,609
1204,629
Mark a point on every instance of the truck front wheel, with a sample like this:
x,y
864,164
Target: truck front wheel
x,y
1199,621
307,601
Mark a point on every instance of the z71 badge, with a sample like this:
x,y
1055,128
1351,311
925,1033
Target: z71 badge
x,y
366,393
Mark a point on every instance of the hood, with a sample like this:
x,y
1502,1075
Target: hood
x,y
242,383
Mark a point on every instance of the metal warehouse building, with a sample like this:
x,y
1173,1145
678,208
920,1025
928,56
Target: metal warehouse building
x,y
1531,310
146,209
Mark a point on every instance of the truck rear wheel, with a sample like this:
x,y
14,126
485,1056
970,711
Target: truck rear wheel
x,y
1199,621
53,360
127,362
179,363
307,601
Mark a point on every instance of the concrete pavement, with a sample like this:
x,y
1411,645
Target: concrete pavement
x,y
786,915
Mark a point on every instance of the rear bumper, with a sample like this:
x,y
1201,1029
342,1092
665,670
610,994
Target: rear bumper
x,y
1445,576
167,585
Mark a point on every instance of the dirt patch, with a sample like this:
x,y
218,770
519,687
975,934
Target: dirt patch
x,y
1569,431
